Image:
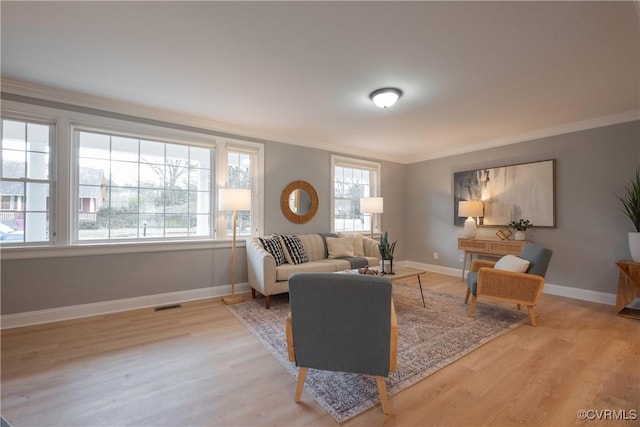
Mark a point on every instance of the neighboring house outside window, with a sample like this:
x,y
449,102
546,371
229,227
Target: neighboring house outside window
x,y
352,179
91,196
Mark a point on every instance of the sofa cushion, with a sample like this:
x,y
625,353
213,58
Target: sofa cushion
x,y
293,249
340,247
272,245
323,266
314,246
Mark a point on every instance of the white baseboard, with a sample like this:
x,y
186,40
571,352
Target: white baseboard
x,y
8,321
449,271
549,288
581,294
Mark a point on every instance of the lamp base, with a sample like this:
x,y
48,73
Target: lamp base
x,y
470,229
232,299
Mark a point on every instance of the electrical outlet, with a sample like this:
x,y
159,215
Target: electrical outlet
x,y
435,255
461,259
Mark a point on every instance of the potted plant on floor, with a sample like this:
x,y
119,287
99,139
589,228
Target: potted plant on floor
x,y
520,226
386,253
631,208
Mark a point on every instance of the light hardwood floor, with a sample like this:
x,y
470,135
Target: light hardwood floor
x,y
198,366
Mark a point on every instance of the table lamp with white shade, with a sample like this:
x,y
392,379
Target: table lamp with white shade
x,y
234,199
371,205
470,209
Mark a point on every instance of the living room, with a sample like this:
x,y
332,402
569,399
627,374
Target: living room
x,y
596,154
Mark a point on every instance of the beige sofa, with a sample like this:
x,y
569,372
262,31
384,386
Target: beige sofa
x,y
268,279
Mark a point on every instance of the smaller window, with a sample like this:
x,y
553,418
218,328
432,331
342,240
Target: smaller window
x,y
353,179
26,182
240,174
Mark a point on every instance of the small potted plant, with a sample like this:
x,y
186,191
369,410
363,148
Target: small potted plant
x,y
520,226
631,208
386,252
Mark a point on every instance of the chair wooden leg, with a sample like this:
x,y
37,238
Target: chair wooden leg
x,y
382,391
302,374
466,299
532,315
472,306
267,301
253,293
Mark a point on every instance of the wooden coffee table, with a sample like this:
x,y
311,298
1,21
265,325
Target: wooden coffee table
x,y
406,272
403,273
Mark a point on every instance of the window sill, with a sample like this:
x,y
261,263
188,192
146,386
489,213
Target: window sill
x,y
89,249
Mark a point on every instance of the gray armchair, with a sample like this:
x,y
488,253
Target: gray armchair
x,y
520,288
342,322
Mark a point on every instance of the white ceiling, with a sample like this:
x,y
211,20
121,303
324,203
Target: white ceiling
x,y
474,75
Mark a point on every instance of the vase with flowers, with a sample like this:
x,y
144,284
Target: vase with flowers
x,y
520,226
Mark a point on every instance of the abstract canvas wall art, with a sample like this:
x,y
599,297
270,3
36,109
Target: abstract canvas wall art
x,y
509,192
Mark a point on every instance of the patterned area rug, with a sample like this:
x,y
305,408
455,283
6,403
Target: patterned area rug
x,y
428,339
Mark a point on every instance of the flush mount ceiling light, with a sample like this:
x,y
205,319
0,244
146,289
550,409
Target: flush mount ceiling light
x,y
386,97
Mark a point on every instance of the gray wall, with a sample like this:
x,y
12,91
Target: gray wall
x,y
591,231
37,284
590,235
285,163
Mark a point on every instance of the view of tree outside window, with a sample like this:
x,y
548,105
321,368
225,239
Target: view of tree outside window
x,y
131,188
350,184
26,182
239,166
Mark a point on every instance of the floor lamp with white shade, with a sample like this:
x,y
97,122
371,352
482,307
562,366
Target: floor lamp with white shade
x,y
371,205
234,199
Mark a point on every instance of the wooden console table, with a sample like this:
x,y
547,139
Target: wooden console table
x,y
628,288
488,247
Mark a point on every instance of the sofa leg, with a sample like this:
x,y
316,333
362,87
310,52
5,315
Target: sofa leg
x,y
267,301
253,293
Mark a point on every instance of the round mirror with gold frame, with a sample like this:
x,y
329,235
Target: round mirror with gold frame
x,y
299,202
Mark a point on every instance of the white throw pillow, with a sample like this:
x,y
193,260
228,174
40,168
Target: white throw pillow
x,y
340,247
512,263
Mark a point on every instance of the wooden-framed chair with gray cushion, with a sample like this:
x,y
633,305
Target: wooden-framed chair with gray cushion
x,y
519,280
342,322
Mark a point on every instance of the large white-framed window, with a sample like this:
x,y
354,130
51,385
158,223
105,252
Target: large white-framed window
x,y
351,180
137,188
27,187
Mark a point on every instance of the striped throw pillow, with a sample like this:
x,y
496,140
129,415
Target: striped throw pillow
x,y
272,245
294,249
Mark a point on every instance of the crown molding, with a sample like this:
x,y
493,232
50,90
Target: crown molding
x,y
111,105
578,126
78,99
